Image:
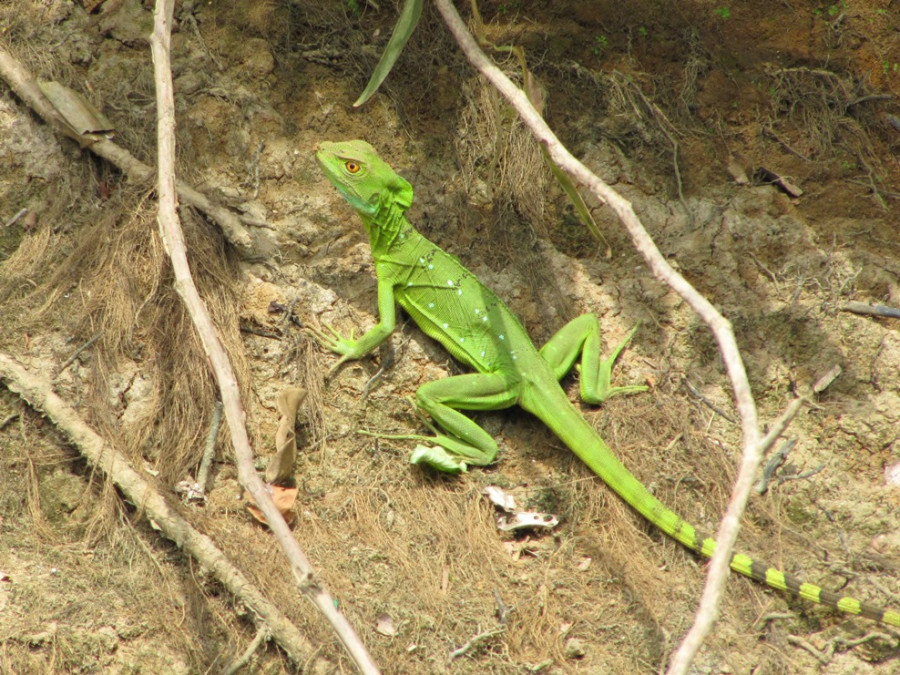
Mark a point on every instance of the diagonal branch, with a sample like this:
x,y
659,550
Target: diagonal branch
x,y
99,453
718,324
23,84
173,240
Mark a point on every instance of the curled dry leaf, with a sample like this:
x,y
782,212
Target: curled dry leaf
x,y
500,498
281,468
77,111
385,626
527,520
284,498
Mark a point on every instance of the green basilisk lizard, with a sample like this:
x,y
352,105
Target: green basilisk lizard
x,y
452,306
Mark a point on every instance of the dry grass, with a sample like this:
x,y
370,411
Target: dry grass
x,y
835,116
498,152
114,281
385,538
502,171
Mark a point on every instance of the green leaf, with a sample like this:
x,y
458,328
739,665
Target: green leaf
x,y
584,213
406,24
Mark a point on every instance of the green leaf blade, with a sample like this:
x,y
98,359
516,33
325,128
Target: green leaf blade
x,y
406,24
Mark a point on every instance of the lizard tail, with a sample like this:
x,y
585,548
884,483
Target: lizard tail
x,y
573,429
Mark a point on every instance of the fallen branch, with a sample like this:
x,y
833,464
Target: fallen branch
x,y
99,453
718,324
872,310
25,87
173,241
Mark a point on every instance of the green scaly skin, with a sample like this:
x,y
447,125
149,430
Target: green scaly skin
x,y
452,306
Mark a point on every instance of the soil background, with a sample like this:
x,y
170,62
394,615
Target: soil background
x,y
758,143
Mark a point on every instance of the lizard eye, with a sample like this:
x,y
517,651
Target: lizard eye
x,y
351,166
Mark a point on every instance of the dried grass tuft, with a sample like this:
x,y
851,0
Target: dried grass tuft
x,y
110,277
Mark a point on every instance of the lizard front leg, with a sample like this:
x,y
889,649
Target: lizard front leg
x,y
581,336
463,441
351,349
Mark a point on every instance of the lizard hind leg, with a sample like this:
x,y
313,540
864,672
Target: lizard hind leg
x,y
463,442
581,337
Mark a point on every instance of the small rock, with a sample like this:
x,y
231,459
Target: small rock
x,y
109,638
574,648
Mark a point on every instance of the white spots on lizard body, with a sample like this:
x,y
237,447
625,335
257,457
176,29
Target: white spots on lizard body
x,y
446,325
501,336
430,305
449,282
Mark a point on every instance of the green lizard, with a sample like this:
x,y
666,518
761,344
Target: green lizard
x,y
452,306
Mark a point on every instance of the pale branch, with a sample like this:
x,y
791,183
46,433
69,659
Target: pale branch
x,y
718,324
101,454
173,240
25,87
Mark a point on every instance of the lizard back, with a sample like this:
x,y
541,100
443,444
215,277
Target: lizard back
x,y
451,305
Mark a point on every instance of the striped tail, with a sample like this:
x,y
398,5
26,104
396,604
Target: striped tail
x,y
574,430
771,576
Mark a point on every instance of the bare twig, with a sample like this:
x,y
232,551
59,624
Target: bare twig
x,y
720,326
768,131
823,656
779,425
262,635
99,453
776,461
473,642
696,393
790,412
69,361
871,310
503,609
12,221
209,449
9,420
23,84
173,240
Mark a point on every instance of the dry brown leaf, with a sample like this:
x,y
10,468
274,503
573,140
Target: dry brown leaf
x,y
281,468
284,498
385,626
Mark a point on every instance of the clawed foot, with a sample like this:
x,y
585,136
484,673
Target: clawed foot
x,y
604,389
437,458
333,341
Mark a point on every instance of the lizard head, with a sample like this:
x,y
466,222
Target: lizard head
x,y
362,177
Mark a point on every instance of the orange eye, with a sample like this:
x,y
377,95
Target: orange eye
x,y
351,166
